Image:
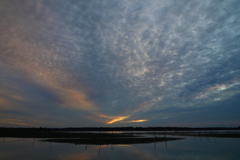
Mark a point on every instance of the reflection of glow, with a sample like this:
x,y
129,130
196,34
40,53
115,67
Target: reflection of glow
x,y
140,120
122,145
117,119
116,145
76,156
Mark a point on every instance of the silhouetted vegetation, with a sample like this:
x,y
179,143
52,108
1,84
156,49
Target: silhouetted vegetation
x,y
99,132
122,129
109,141
52,133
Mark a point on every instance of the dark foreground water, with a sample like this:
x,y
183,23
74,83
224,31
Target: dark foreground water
x,y
185,149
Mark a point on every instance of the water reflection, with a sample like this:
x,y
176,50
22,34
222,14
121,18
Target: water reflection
x,y
192,147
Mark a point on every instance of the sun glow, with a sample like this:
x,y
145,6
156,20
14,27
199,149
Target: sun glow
x,y
140,120
117,119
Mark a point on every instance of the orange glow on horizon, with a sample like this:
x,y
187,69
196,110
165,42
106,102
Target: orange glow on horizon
x,y
117,119
140,120
19,123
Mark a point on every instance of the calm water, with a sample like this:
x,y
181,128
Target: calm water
x,y
186,149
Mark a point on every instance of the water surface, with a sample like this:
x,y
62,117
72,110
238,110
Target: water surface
x,y
191,148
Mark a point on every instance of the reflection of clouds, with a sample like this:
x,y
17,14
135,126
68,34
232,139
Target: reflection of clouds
x,y
142,154
76,156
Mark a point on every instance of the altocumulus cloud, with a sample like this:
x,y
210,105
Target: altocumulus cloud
x,y
90,63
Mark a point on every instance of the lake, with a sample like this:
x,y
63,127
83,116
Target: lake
x,y
190,148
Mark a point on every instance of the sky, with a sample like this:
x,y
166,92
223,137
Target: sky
x,y
93,63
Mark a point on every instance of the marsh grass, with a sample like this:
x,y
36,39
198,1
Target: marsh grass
x,y
110,138
216,134
109,141
57,134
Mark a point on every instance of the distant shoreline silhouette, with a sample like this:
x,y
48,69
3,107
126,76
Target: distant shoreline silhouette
x,y
122,128
112,132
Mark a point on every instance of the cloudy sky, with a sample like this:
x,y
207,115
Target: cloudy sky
x,y
119,63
